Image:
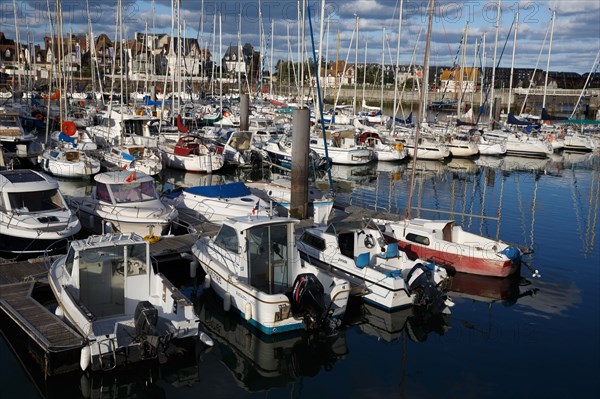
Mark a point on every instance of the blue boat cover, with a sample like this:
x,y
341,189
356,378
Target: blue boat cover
x,y
67,139
229,190
511,253
148,101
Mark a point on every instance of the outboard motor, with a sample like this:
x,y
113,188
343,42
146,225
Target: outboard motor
x,y
145,318
422,284
307,299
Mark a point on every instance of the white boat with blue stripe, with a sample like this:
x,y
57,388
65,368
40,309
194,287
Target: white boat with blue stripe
x,y
253,265
357,251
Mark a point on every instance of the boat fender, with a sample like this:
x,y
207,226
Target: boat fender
x,y
151,238
248,311
207,281
511,253
193,268
84,358
399,147
227,302
369,241
59,312
206,339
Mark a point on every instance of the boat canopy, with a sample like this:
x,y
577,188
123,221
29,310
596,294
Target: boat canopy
x,y
229,190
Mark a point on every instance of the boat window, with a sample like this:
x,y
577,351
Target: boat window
x,y
36,201
133,192
313,241
69,261
227,239
136,259
102,193
417,238
102,280
268,258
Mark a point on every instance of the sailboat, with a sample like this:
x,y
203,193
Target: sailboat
x,y
441,240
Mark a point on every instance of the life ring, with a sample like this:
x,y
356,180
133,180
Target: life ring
x,y
39,116
399,147
69,128
369,241
226,114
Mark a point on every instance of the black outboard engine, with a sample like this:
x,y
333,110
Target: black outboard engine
x,y
423,286
145,318
307,299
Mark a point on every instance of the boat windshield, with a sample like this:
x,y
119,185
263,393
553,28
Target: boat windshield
x,y
133,192
36,201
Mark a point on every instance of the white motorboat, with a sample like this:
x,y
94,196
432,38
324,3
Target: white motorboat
x,y
578,142
356,250
427,148
253,265
34,218
190,153
382,150
11,131
217,202
133,157
125,202
342,148
63,160
108,290
521,144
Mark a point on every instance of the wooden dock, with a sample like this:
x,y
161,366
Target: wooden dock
x,y
51,336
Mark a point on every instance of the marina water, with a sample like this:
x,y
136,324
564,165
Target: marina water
x,y
534,337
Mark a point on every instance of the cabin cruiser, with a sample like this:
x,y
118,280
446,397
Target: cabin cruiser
x,y
342,148
34,218
12,133
252,263
125,202
109,291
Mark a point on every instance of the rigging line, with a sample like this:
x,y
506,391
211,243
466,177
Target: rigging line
x,y
497,65
312,39
531,81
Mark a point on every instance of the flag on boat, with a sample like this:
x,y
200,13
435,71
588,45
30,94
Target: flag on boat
x,y
132,176
255,209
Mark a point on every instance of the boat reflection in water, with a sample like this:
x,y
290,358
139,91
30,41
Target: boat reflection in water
x,y
507,290
388,326
261,362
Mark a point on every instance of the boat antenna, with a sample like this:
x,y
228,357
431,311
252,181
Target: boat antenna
x,y
420,110
320,100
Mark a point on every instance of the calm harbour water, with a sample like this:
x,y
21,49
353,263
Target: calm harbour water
x,y
506,338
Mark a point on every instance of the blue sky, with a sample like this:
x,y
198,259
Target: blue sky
x,y
576,37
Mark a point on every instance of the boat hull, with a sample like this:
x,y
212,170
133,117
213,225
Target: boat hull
x,y
464,263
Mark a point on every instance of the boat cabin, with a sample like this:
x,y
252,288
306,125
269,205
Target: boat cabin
x,y
124,187
27,191
261,251
109,275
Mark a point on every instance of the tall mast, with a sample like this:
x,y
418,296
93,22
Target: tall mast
x,y
382,65
319,52
326,61
18,44
482,77
548,62
421,108
397,66
491,120
512,64
355,68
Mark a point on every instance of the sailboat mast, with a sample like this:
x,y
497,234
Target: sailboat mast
x,y
382,65
548,62
512,64
491,119
355,68
422,106
394,112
